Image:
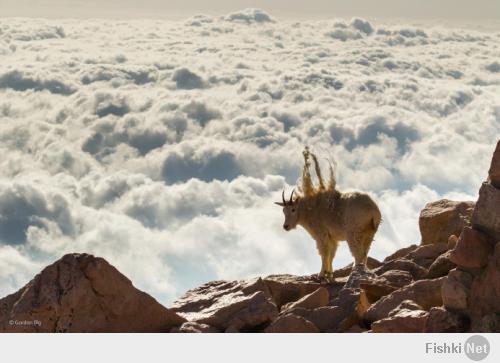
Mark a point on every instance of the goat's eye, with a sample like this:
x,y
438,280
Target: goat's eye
x,y
293,210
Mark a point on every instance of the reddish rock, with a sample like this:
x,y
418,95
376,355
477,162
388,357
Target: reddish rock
x,y
315,299
440,219
375,289
486,217
494,172
397,278
485,290
425,255
326,318
441,320
487,324
455,290
426,293
473,249
288,288
83,293
194,327
404,321
400,253
353,304
441,266
402,264
291,323
452,242
239,305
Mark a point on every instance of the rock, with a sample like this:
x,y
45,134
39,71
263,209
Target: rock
x,y
326,318
358,275
441,266
455,290
485,290
400,253
291,323
404,321
356,329
371,263
239,305
315,299
194,327
426,293
406,305
83,293
425,255
494,172
441,320
402,264
352,304
486,217
375,289
289,288
452,241
397,278
440,219
487,324
473,249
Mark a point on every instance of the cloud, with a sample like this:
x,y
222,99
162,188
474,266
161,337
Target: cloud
x,y
161,146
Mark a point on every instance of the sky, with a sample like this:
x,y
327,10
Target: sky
x,y
455,10
162,145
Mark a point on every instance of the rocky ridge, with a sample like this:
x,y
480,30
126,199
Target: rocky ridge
x,y
449,283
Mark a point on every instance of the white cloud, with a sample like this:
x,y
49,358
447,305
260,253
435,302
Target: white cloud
x,y
161,146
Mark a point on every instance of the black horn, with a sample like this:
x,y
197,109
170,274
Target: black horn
x,y
283,197
291,196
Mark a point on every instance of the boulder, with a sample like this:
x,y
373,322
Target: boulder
x,y
236,305
486,217
440,219
377,288
371,263
288,288
352,305
441,320
455,290
426,293
397,278
441,266
402,264
358,275
82,293
473,249
291,323
452,242
485,290
194,327
404,321
494,172
400,253
427,254
487,324
315,299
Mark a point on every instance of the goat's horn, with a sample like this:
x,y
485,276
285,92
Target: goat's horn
x,y
283,197
291,196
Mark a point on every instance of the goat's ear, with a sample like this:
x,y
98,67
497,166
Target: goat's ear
x,y
280,204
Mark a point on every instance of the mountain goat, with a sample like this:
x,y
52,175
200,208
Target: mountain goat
x,y
331,216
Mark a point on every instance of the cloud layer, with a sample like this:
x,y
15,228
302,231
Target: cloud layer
x,y
161,146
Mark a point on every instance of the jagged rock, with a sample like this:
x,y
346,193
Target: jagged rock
x,y
236,305
441,320
326,318
406,305
356,329
400,253
402,264
426,293
442,218
455,289
289,288
377,288
83,293
494,172
485,290
441,266
371,263
486,217
315,299
358,275
427,254
291,323
353,304
397,278
404,321
194,327
473,249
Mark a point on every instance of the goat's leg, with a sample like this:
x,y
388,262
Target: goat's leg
x,y
356,246
323,253
331,251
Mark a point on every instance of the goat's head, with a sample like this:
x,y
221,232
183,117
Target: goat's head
x,y
290,210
